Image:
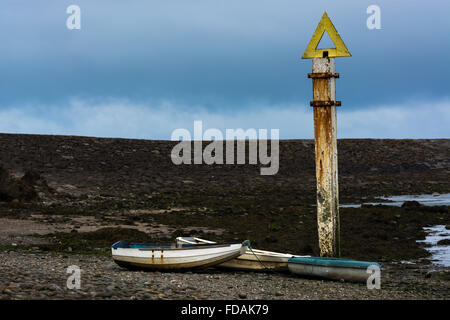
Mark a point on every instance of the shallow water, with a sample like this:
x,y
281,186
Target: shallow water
x,y
397,201
440,255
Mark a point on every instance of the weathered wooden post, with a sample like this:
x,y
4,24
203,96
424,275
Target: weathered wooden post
x,y
324,104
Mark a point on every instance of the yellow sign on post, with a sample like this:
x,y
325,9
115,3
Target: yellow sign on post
x,y
311,51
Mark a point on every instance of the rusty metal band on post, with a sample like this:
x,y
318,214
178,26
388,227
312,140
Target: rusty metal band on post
x,y
318,103
323,75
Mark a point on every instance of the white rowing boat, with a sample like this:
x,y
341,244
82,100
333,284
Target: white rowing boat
x,y
250,260
174,256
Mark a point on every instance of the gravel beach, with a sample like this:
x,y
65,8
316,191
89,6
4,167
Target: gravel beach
x,y
44,276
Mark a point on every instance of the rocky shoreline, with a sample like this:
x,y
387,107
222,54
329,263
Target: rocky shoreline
x,y
44,276
65,200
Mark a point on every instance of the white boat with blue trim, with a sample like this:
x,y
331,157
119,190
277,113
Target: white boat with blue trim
x,y
168,257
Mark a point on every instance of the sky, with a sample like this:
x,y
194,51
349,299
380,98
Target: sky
x,y
141,69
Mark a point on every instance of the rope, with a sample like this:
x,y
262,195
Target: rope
x,y
272,271
256,256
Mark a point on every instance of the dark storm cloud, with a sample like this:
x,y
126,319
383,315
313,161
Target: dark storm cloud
x,y
222,58
216,53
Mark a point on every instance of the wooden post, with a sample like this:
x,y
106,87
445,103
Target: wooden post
x,y
324,103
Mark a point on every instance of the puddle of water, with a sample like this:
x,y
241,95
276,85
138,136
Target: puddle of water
x,y
349,206
397,201
440,255
425,199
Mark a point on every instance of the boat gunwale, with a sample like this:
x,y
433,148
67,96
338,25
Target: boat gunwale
x,y
191,247
269,253
328,263
249,251
194,247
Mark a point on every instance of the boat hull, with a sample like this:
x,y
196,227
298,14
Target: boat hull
x,y
251,260
333,269
176,259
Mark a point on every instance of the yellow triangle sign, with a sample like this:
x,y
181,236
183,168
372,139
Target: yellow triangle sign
x,y
311,51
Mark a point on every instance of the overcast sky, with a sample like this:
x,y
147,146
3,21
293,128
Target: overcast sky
x,y
141,69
